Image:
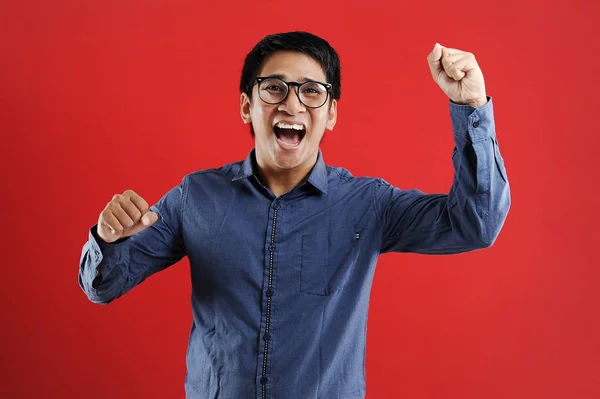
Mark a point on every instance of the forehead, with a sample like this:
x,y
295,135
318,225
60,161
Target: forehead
x,y
294,66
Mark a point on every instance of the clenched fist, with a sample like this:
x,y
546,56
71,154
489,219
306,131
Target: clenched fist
x,y
125,215
458,75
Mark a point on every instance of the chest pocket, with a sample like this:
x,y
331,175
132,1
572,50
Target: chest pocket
x,y
328,259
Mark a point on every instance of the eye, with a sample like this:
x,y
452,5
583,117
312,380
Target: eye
x,y
313,90
273,88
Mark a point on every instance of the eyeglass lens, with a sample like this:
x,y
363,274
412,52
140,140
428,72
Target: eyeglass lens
x,y
311,94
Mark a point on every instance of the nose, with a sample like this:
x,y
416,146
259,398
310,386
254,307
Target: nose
x,y
292,104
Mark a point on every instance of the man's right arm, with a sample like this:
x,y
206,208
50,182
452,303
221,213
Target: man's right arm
x,y
109,270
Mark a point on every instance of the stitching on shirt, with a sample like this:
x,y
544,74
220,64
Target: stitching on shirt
x,y
342,178
182,202
378,183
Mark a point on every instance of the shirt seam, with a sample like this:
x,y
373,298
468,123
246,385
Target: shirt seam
x,y
184,191
374,201
342,177
378,217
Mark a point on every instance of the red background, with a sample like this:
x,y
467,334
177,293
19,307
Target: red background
x,y
100,96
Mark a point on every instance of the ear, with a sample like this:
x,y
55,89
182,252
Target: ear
x,y
245,108
332,115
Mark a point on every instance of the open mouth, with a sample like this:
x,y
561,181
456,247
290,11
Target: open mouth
x,y
289,135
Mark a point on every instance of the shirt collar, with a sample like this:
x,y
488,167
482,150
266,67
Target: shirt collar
x,y
317,177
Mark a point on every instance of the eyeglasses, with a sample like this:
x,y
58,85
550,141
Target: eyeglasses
x,y
310,94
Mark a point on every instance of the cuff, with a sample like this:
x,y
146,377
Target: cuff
x,y
100,249
473,124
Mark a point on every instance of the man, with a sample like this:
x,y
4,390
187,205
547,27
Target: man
x,y
282,247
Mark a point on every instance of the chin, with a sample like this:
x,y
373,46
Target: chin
x,y
288,161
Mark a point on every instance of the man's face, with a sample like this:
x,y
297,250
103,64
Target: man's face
x,y
279,148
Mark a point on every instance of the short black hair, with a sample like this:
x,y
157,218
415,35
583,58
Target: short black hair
x,y
300,41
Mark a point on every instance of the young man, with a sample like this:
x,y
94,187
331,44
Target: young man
x,y
282,247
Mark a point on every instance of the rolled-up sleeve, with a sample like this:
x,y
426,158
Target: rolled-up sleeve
x,y
471,215
109,270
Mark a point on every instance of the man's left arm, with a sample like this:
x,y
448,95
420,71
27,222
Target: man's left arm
x,y
472,214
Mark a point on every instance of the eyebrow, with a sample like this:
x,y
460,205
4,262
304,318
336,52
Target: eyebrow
x,y
302,79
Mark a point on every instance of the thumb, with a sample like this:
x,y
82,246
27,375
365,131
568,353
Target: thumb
x,y
149,218
434,60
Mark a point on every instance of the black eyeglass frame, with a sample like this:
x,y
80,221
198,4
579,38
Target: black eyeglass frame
x,y
327,86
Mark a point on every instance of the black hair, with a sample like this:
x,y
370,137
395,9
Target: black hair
x,y
303,42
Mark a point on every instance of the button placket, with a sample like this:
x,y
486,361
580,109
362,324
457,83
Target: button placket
x,y
269,293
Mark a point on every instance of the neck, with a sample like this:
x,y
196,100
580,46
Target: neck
x,y
283,181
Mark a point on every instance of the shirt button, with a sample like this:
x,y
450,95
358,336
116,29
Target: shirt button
x,y
476,124
269,292
263,380
271,247
267,337
277,205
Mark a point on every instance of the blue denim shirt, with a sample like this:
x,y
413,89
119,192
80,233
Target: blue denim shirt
x,y
281,285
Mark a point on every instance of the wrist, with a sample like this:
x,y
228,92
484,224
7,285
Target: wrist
x,y
480,102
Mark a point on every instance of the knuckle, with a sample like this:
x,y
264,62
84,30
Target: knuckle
x,y
127,223
137,215
116,197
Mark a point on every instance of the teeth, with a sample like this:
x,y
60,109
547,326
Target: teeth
x,y
286,126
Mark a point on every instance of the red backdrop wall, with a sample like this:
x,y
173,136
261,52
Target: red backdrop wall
x,y
100,96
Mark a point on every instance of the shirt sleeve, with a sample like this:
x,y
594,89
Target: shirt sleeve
x,y
109,270
471,215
